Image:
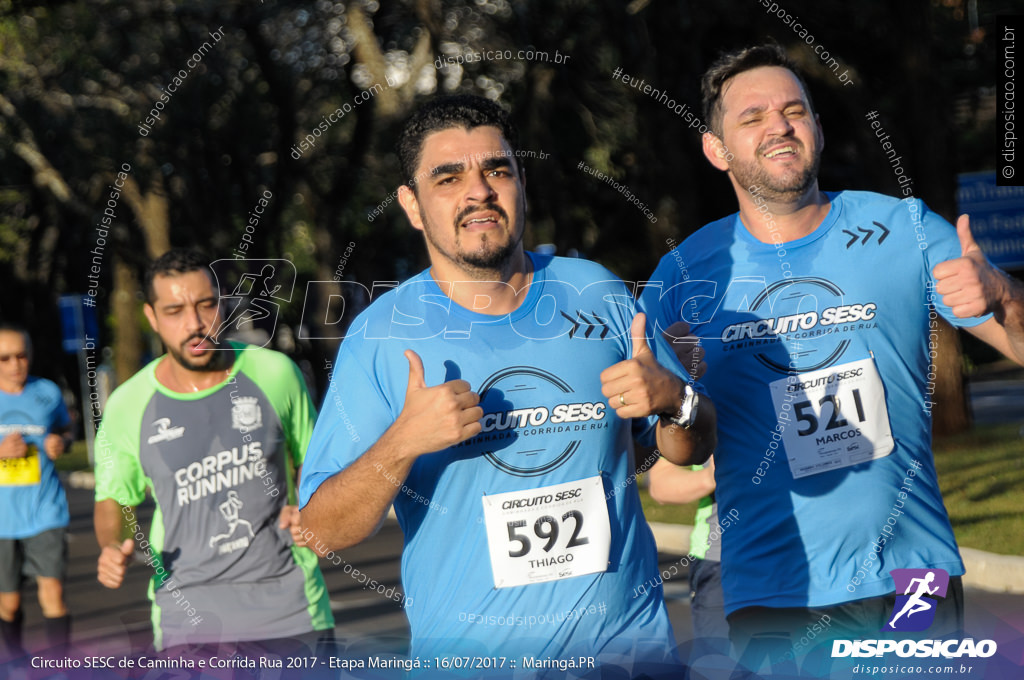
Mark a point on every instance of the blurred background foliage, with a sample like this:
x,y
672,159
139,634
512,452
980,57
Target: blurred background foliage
x,y
77,78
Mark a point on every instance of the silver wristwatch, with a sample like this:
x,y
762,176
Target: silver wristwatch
x,y
687,413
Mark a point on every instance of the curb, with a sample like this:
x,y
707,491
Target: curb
x,y
984,570
81,479
992,572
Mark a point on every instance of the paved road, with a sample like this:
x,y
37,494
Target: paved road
x,y
117,622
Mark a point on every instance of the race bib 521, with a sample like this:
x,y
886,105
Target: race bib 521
x,y
841,417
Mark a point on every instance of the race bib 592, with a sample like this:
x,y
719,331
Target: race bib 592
x,y
546,534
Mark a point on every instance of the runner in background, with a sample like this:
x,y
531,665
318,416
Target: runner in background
x,y
216,435
672,484
33,508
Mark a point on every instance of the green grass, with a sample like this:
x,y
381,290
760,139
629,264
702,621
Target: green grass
x,y
75,459
981,474
673,514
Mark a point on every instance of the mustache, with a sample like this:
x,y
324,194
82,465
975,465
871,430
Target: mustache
x,y
195,336
486,207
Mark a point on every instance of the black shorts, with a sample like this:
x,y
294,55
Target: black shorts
x,y
45,554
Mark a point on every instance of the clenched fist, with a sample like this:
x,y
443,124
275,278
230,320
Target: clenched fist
x,y
13,446
113,563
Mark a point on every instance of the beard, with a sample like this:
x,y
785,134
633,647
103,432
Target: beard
x,y
786,186
492,256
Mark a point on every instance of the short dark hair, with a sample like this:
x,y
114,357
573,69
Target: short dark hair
x,y
11,327
175,261
732,64
442,113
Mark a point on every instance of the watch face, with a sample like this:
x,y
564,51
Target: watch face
x,y
687,412
688,409
692,415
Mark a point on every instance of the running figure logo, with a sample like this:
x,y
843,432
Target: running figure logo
x,y
915,611
239,530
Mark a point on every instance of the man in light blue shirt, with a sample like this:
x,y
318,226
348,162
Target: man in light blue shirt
x,y
817,313
494,398
33,508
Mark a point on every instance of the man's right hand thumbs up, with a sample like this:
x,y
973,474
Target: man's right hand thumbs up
x,y
114,562
435,418
417,380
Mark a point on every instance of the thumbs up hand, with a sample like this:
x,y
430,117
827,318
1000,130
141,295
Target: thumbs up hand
x,y
640,386
437,417
113,563
638,335
969,285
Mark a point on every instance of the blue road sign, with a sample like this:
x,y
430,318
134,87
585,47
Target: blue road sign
x,y
77,320
997,217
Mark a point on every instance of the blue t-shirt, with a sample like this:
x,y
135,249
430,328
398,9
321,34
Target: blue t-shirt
x,y
809,316
31,496
546,423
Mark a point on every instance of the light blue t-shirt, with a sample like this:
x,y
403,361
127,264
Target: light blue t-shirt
x,y
31,497
546,423
858,288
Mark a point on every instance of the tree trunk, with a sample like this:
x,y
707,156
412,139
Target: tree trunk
x,y
124,307
934,177
950,413
152,214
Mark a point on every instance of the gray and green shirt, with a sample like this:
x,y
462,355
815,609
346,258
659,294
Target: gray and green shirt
x,y
705,539
216,463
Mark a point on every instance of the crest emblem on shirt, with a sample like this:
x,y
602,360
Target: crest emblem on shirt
x,y
246,415
164,431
